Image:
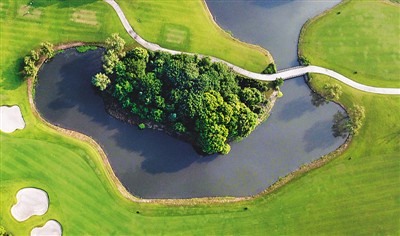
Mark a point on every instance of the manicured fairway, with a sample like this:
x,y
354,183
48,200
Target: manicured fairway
x,y
360,39
352,197
188,26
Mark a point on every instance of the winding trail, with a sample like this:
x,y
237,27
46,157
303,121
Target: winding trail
x,y
285,74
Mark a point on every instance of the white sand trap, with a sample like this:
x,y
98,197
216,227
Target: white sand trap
x,y
51,227
11,119
30,201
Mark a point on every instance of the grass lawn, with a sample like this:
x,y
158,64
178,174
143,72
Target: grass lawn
x,y
357,196
360,40
188,26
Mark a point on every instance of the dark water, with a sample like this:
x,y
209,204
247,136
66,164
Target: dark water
x,y
152,164
273,24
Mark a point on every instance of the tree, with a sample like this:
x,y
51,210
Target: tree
x,y
30,69
270,69
35,55
192,95
101,81
357,116
304,61
278,83
117,44
110,60
179,127
332,91
136,61
251,97
47,50
342,124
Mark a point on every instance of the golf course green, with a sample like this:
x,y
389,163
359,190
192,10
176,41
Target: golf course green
x,y
356,193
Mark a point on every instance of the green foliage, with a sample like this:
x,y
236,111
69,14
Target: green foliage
x,y
3,232
35,55
357,116
270,69
47,50
30,69
252,97
332,91
278,83
179,127
191,95
85,48
117,44
110,60
101,81
142,126
304,61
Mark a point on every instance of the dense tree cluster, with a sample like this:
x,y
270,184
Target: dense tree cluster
x,y
31,60
205,101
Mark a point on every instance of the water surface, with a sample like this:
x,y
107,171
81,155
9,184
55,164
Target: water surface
x,y
152,164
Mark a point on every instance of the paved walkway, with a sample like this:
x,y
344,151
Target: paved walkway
x,y
285,74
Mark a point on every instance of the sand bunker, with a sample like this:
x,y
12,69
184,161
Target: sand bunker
x,y
11,119
30,201
51,227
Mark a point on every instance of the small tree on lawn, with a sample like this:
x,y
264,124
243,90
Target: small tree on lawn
x,y
332,91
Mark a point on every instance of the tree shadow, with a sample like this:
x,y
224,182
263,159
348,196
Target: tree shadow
x,y
13,76
270,3
294,109
317,136
317,100
59,3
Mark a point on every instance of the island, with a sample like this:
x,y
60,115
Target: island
x,y
188,96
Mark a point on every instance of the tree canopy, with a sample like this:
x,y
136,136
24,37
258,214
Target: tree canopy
x,y
192,96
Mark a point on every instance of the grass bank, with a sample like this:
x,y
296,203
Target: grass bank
x,y
370,178
188,26
359,39
356,196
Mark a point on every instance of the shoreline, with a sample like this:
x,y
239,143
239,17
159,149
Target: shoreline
x,y
115,182
114,109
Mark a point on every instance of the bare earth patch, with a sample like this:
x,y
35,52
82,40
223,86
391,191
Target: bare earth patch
x,y
30,201
85,17
51,227
11,119
29,12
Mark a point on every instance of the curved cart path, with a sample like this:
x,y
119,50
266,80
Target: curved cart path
x,y
285,74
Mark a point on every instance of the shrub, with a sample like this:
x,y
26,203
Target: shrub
x,y
101,81
278,83
304,61
271,69
142,126
85,48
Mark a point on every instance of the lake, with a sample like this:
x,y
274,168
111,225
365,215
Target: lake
x,y
151,164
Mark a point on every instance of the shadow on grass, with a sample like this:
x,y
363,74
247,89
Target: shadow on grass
x,y
12,75
59,3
